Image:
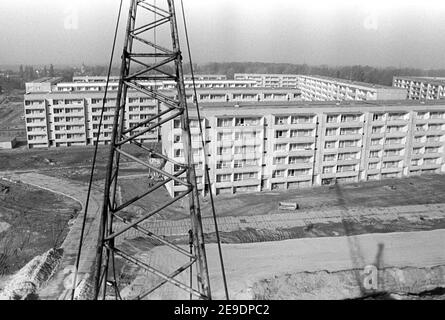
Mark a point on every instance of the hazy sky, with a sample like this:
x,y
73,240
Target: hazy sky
x,y
374,32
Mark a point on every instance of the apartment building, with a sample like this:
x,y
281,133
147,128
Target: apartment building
x,y
421,88
42,85
320,88
113,84
63,118
259,146
187,77
270,80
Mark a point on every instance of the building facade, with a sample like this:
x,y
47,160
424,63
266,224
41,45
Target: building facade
x,y
278,146
69,115
319,88
270,80
421,88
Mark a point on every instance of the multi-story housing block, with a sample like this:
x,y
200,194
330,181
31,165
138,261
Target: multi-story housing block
x,y
320,88
270,80
285,145
71,117
421,88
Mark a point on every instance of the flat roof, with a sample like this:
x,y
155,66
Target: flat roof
x,y
437,80
350,82
100,94
46,79
303,104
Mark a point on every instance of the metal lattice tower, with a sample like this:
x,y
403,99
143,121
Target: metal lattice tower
x,y
144,60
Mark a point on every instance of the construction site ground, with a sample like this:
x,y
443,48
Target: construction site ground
x,y
410,206
32,221
12,123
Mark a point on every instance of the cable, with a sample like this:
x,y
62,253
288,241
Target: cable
x,y
82,232
206,169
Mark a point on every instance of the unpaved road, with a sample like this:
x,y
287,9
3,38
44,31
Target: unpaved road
x,y
246,264
78,191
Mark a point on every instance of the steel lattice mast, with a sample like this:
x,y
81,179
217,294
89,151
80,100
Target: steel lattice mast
x,y
151,59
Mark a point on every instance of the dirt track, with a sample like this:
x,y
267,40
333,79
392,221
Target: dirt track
x,y
248,264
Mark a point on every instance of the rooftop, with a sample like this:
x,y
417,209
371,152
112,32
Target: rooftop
x,y
350,82
51,80
313,104
435,80
99,94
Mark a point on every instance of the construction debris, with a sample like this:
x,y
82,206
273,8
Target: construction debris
x,y
25,284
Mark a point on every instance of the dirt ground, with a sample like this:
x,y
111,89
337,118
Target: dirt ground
x,y
32,221
11,113
384,193
50,159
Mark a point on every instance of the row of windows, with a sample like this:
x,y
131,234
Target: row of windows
x,y
293,146
342,131
294,133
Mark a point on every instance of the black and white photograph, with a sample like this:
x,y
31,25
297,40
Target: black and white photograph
x,y
222,155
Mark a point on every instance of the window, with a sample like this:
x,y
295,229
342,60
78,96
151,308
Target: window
x,y
419,139
300,146
417,150
331,118
433,138
434,126
279,160
295,160
396,116
420,127
245,176
393,141
392,153
223,177
348,143
224,122
331,131
391,164
374,154
431,161
280,133
280,147
347,156
301,119
377,117
377,129
297,172
391,129
436,115
178,152
328,169
431,149
376,142
224,136
415,162
346,168
278,173
373,165
241,122
329,157
281,120
329,145
347,131
224,150
349,117
223,164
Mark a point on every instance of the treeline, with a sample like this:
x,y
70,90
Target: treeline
x,y
355,73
